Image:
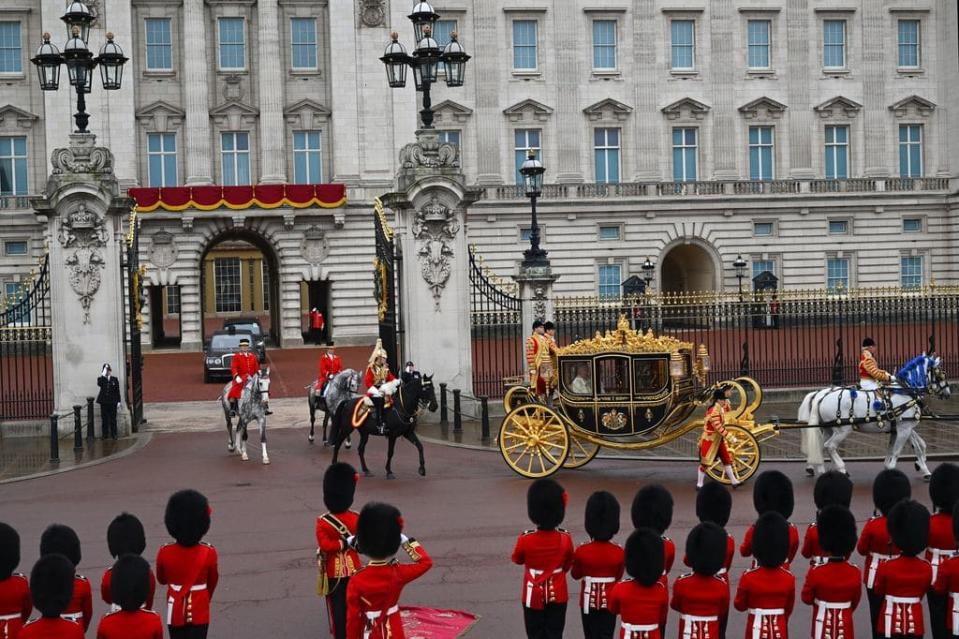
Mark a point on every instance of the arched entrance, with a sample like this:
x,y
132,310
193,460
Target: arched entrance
x,y
688,268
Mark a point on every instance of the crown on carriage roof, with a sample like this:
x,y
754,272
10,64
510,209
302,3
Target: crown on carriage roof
x,y
624,339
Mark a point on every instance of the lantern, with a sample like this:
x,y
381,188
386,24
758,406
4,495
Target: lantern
x,y
423,18
532,172
454,62
79,16
48,61
111,61
396,60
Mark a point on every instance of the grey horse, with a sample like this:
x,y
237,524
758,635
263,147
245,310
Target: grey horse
x,y
341,387
251,407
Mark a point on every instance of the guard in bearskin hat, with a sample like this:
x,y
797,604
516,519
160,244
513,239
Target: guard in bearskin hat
x,y
599,564
51,585
768,591
772,492
63,540
373,593
642,600
546,553
15,602
832,487
889,488
653,508
947,579
130,589
944,493
188,567
700,597
833,588
125,536
902,582
336,560
714,503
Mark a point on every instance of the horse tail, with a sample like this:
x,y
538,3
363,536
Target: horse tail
x,y
815,416
805,407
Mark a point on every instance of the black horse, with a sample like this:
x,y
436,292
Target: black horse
x,y
400,420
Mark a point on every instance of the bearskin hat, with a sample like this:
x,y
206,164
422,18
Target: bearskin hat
x,y
378,530
889,488
652,508
773,491
546,504
645,556
51,584
908,525
602,516
771,539
339,486
714,503
9,550
955,521
125,536
187,517
706,548
837,530
832,487
130,582
944,487
62,540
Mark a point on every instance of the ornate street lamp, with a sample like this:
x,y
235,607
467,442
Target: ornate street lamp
x,y
648,269
78,16
532,172
739,264
48,61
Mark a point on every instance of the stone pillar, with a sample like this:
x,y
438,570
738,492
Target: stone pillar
x,y
85,216
569,116
649,125
487,19
199,161
272,134
344,122
723,69
876,129
536,292
799,79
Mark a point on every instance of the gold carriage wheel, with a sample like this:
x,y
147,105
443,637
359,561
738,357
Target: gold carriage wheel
x,y
757,391
740,407
515,397
744,450
534,441
581,452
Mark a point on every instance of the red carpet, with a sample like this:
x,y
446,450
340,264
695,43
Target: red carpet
x,y
433,623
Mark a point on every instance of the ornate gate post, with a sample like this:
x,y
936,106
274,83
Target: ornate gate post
x,y
85,213
536,291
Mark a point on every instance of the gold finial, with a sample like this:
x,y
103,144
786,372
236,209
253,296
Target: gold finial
x,y
395,36
46,37
109,36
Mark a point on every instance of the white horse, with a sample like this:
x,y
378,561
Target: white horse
x,y
339,388
252,406
898,405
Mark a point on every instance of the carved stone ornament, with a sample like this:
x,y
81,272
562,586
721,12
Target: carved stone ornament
x,y
373,13
315,246
82,157
84,232
163,251
428,152
435,226
539,303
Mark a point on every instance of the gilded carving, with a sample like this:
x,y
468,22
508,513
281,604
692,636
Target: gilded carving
x,y
624,339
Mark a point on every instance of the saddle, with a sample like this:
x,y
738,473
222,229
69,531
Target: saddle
x,y
360,414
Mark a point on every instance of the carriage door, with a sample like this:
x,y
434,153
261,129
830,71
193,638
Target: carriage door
x,y
613,395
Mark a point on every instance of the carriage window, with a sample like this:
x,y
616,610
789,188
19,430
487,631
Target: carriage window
x,y
613,376
578,377
650,375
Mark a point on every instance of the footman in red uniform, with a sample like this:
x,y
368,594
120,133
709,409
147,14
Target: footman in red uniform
x,y
599,564
903,582
947,582
944,494
130,588
653,508
772,492
768,591
15,602
334,529
125,536
244,365
642,600
701,598
832,488
833,588
51,586
712,443
63,540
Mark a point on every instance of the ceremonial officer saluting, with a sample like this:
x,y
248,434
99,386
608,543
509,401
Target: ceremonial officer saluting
x,y
832,488
108,398
901,583
130,590
51,586
871,377
944,494
768,591
833,588
700,597
245,364
330,366
336,560
15,602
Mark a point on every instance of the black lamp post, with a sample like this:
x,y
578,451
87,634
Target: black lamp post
x,y
425,60
532,172
740,265
79,60
648,269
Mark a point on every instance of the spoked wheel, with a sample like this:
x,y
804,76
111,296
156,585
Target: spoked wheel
x,y
515,397
581,452
533,440
744,450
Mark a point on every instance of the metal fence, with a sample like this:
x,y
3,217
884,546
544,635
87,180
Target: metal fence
x,y
496,330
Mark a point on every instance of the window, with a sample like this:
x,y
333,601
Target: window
x,y
762,229
523,141
449,137
13,294
303,43
683,40
837,273
159,44
161,159
307,157
13,165
606,154
610,232
604,45
757,53
11,55
837,152
910,150
838,227
910,271
232,43
609,280
235,157
760,153
172,299
526,232
912,225
909,44
15,248
442,31
265,281
685,153
226,283
834,44
524,45
761,266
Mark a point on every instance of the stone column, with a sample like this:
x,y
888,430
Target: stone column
x,y
648,119
799,78
536,292
489,110
569,117
272,129
344,122
876,129
723,68
196,97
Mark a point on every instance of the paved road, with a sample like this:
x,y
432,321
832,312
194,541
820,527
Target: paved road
x,y
467,513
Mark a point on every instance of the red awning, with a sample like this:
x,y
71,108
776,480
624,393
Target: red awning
x,y
267,196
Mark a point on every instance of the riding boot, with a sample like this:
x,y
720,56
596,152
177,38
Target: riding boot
x,y
233,408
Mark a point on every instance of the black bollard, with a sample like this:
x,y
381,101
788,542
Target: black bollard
x,y
444,411
484,417
54,439
77,428
90,434
457,416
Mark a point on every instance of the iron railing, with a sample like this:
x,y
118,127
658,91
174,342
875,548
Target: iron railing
x,y
496,328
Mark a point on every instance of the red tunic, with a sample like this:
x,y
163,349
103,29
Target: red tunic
x,y
746,548
942,543
178,566
947,583
51,628
340,561
107,595
244,365
140,624
876,545
642,608
80,608
713,428
370,378
730,554
769,595
701,601
372,597
15,605
903,582
329,366
547,556
834,591
811,549
600,564
316,320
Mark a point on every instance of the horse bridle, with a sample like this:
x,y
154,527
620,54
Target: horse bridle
x,y
419,406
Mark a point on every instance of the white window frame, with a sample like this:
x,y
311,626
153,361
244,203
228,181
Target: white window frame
x,y
691,46
844,44
834,148
618,149
768,45
167,292
760,146
753,261
683,146
523,149
772,228
163,153
294,45
236,155
216,287
7,243
599,279
535,46
921,274
219,44
909,144
920,220
19,49
13,158
849,281
843,220
619,232
146,44
307,152
614,46
917,44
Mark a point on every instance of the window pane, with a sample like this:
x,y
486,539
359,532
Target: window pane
x,y
683,45
834,43
908,43
838,226
13,165
442,31
758,43
232,43
609,280
226,275
911,271
762,266
524,44
762,228
159,44
15,248
303,42
11,58
523,140
609,232
912,225
604,44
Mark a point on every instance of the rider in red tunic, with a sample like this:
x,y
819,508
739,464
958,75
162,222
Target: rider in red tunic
x,y
599,564
902,582
330,365
700,597
944,494
833,587
125,536
871,376
131,587
51,584
334,529
768,591
15,602
642,601
60,539
831,488
245,364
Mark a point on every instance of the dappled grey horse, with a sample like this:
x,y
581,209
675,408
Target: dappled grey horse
x,y
343,386
252,407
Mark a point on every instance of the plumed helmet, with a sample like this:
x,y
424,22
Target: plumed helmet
x,y
832,487
187,517
771,539
714,503
706,548
868,342
645,556
837,530
602,516
908,526
773,491
130,582
9,550
378,351
51,584
890,487
339,486
378,530
125,536
546,503
944,487
652,508
61,540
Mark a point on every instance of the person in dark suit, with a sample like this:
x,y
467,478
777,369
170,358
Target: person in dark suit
x,y
409,373
109,400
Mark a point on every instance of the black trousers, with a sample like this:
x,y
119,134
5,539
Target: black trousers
x,y
875,603
336,607
599,624
188,631
547,623
938,609
108,415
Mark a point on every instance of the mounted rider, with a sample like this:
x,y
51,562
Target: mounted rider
x,y
378,373
871,377
330,365
539,349
245,365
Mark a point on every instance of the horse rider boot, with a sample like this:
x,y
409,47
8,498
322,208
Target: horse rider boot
x,y
244,365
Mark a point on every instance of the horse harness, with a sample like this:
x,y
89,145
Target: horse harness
x,y
886,412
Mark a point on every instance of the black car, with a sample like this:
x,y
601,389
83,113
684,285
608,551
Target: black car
x,y
258,343
218,354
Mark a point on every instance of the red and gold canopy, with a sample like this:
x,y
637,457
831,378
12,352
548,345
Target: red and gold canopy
x,y
266,196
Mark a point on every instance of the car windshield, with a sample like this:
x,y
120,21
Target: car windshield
x,y
226,342
253,328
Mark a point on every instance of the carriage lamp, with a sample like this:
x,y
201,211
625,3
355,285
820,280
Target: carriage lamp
x,y
78,16
677,368
702,364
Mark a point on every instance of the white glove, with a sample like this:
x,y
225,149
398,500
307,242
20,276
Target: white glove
x,y
103,371
238,379
404,539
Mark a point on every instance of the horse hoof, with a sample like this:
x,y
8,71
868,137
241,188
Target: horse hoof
x,y
367,473
422,471
230,449
266,460
244,457
349,444
927,477
310,438
390,476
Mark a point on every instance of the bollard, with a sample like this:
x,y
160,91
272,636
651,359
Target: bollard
x,y
484,417
54,439
457,416
90,434
77,428
444,412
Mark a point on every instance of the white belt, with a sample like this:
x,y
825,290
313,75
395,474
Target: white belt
x,y
955,612
822,607
630,629
373,615
761,614
178,588
938,555
689,620
72,616
588,588
721,572
15,615
818,560
892,602
529,584
874,560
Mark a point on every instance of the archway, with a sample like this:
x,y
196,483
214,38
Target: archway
x,y
688,268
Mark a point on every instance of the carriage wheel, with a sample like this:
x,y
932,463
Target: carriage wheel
x,y
744,450
515,397
533,440
739,401
581,452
